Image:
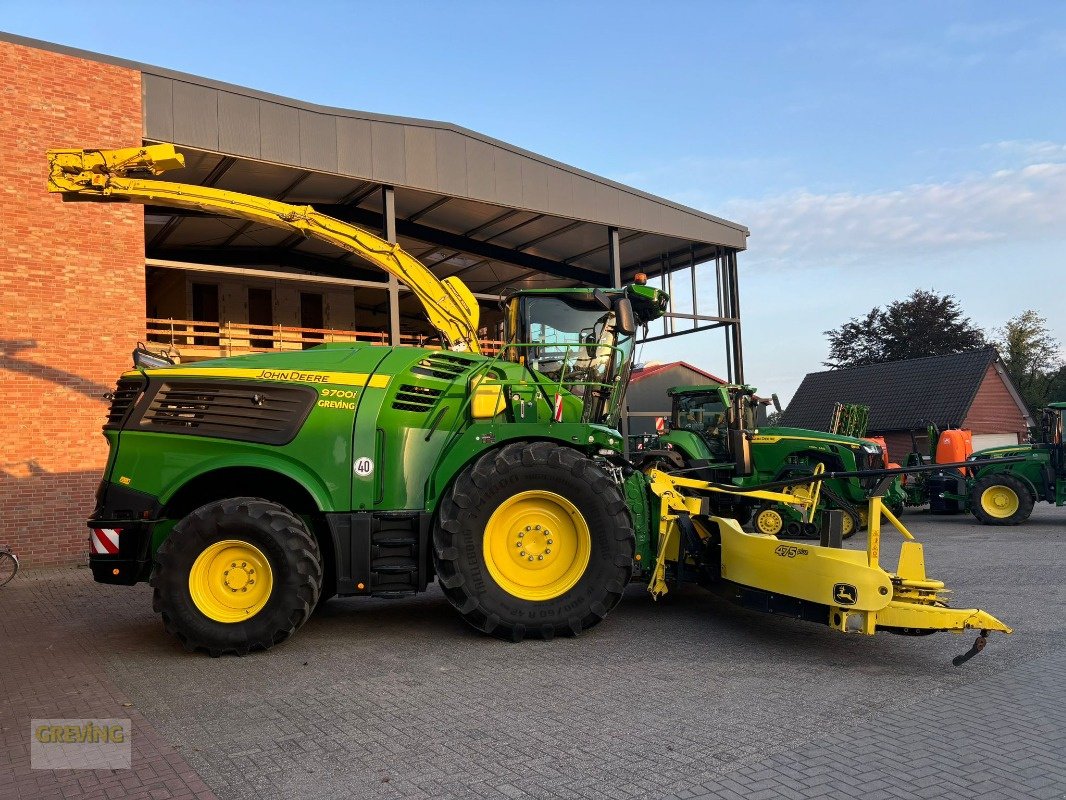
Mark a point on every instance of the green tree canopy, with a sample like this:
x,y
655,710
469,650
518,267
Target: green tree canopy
x,y
924,324
1032,358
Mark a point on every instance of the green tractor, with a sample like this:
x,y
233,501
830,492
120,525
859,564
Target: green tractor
x,y
704,427
1004,493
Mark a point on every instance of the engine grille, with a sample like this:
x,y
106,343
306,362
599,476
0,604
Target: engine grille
x,y
266,414
441,365
122,400
415,398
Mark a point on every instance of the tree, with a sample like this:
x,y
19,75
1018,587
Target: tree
x,y
925,324
1032,358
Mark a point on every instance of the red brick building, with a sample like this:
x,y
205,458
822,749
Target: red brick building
x,y
969,390
73,296
82,283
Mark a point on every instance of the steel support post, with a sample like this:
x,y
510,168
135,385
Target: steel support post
x,y
614,251
725,308
692,276
734,312
388,227
614,257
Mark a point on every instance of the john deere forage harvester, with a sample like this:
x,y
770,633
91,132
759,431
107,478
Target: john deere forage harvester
x,y
246,490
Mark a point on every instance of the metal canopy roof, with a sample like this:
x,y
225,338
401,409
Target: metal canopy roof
x,y
466,204
496,215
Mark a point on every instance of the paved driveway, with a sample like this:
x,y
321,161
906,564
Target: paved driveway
x,y
690,697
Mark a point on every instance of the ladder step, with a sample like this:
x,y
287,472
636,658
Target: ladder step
x,y
404,541
394,569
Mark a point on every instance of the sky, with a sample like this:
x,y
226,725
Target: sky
x,y
870,148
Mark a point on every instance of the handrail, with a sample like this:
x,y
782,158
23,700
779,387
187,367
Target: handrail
x,y
94,174
239,336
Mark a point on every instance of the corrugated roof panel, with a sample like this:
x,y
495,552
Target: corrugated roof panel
x,y
480,170
279,133
560,192
607,201
387,147
651,215
534,184
584,199
196,115
158,107
420,149
629,206
318,141
508,171
238,125
451,163
354,155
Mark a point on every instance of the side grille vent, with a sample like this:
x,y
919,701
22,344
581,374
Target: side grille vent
x,y
264,414
441,365
122,399
415,398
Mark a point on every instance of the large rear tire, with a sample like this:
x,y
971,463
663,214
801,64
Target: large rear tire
x,y
1001,500
533,540
236,575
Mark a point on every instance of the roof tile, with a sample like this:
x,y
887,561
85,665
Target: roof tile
x,y
902,395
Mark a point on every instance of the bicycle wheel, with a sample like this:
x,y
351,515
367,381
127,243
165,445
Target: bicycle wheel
x,y
9,565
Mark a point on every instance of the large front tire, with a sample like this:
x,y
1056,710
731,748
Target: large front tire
x,y
236,575
1001,500
533,540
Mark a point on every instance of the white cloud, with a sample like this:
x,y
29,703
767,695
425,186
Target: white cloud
x,y
1028,150
1021,204
981,32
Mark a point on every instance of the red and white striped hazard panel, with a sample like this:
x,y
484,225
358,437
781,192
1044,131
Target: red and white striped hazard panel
x,y
105,540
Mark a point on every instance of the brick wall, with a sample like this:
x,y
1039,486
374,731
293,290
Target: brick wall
x,y
900,444
72,284
994,410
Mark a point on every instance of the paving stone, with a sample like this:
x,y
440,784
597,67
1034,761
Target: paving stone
x,y
693,698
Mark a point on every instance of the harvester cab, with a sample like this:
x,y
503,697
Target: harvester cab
x,y
580,342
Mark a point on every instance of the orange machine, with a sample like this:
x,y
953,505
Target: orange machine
x,y
954,445
880,440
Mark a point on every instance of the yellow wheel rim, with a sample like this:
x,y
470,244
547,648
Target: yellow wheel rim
x,y
1000,501
849,525
864,517
537,545
230,581
769,521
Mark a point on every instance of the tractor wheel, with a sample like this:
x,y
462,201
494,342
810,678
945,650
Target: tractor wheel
x,y
533,540
1001,500
236,575
852,522
769,520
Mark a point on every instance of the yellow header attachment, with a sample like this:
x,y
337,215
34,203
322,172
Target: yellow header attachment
x,y
103,175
